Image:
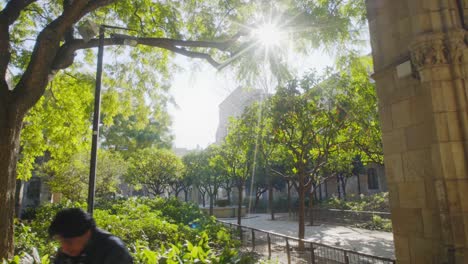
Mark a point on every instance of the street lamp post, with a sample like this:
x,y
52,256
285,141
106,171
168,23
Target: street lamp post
x,y
96,115
96,119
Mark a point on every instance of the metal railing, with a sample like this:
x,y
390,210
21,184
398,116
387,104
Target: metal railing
x,y
285,249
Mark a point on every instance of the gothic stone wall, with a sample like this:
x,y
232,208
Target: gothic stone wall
x,y
423,109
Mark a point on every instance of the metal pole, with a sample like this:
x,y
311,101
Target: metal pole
x,y
97,111
288,251
253,240
312,253
269,245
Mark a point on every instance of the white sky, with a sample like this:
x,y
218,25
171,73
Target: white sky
x,y
199,92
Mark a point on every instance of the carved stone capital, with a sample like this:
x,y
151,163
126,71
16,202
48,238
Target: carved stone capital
x,y
438,49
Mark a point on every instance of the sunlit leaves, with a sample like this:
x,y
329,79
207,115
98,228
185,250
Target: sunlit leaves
x,y
154,169
58,124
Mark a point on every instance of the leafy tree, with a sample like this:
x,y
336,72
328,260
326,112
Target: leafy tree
x,y
37,39
196,168
58,124
362,108
72,178
308,122
238,155
258,117
206,171
153,169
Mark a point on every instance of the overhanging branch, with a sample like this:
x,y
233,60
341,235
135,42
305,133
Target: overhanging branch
x,y
66,54
13,9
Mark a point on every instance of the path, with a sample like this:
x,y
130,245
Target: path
x,y
370,242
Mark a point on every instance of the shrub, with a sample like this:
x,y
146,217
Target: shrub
x,y
378,223
222,203
155,230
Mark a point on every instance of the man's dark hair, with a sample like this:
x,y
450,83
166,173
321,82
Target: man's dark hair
x,y
71,222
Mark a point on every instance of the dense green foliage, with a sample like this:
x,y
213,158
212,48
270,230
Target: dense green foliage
x,y
377,202
154,230
154,169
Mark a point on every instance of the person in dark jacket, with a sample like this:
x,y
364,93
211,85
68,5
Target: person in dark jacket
x,y
81,242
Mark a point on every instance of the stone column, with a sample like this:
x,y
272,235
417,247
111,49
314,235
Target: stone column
x,y
420,61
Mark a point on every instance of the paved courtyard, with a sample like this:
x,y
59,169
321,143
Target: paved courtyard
x,y
375,243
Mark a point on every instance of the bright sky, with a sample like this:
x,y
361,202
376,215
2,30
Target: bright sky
x,y
199,92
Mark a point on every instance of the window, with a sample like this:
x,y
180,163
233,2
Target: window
x,y
372,180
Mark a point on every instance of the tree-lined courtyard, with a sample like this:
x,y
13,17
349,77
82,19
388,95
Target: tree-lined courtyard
x,y
46,84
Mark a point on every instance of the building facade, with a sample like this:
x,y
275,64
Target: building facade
x,y
233,106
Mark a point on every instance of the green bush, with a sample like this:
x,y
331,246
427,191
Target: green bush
x,y
155,230
377,202
378,223
222,203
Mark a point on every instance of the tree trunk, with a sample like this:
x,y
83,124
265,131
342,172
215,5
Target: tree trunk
x,y
289,200
10,128
320,192
338,186
359,185
311,205
326,189
343,187
203,200
257,200
239,203
211,203
186,195
18,197
301,210
270,201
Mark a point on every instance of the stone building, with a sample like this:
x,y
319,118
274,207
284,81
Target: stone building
x,y
233,106
421,68
370,182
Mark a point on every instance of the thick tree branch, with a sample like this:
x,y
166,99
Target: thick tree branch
x,y
13,9
66,54
7,17
36,76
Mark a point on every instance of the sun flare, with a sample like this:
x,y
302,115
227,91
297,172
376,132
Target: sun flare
x,y
268,34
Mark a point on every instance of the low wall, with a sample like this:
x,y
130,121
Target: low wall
x,y
225,212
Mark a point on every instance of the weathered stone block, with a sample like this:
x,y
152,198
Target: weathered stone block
x,y
453,198
402,250
386,121
417,164
401,114
458,230
393,198
441,127
437,162
431,224
420,106
419,136
431,197
421,250
407,222
394,168
465,221
453,160
412,194
394,142
463,192
460,159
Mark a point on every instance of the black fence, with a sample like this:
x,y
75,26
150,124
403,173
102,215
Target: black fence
x,y
285,249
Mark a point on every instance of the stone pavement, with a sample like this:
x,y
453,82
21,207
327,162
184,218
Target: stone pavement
x,y
370,242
